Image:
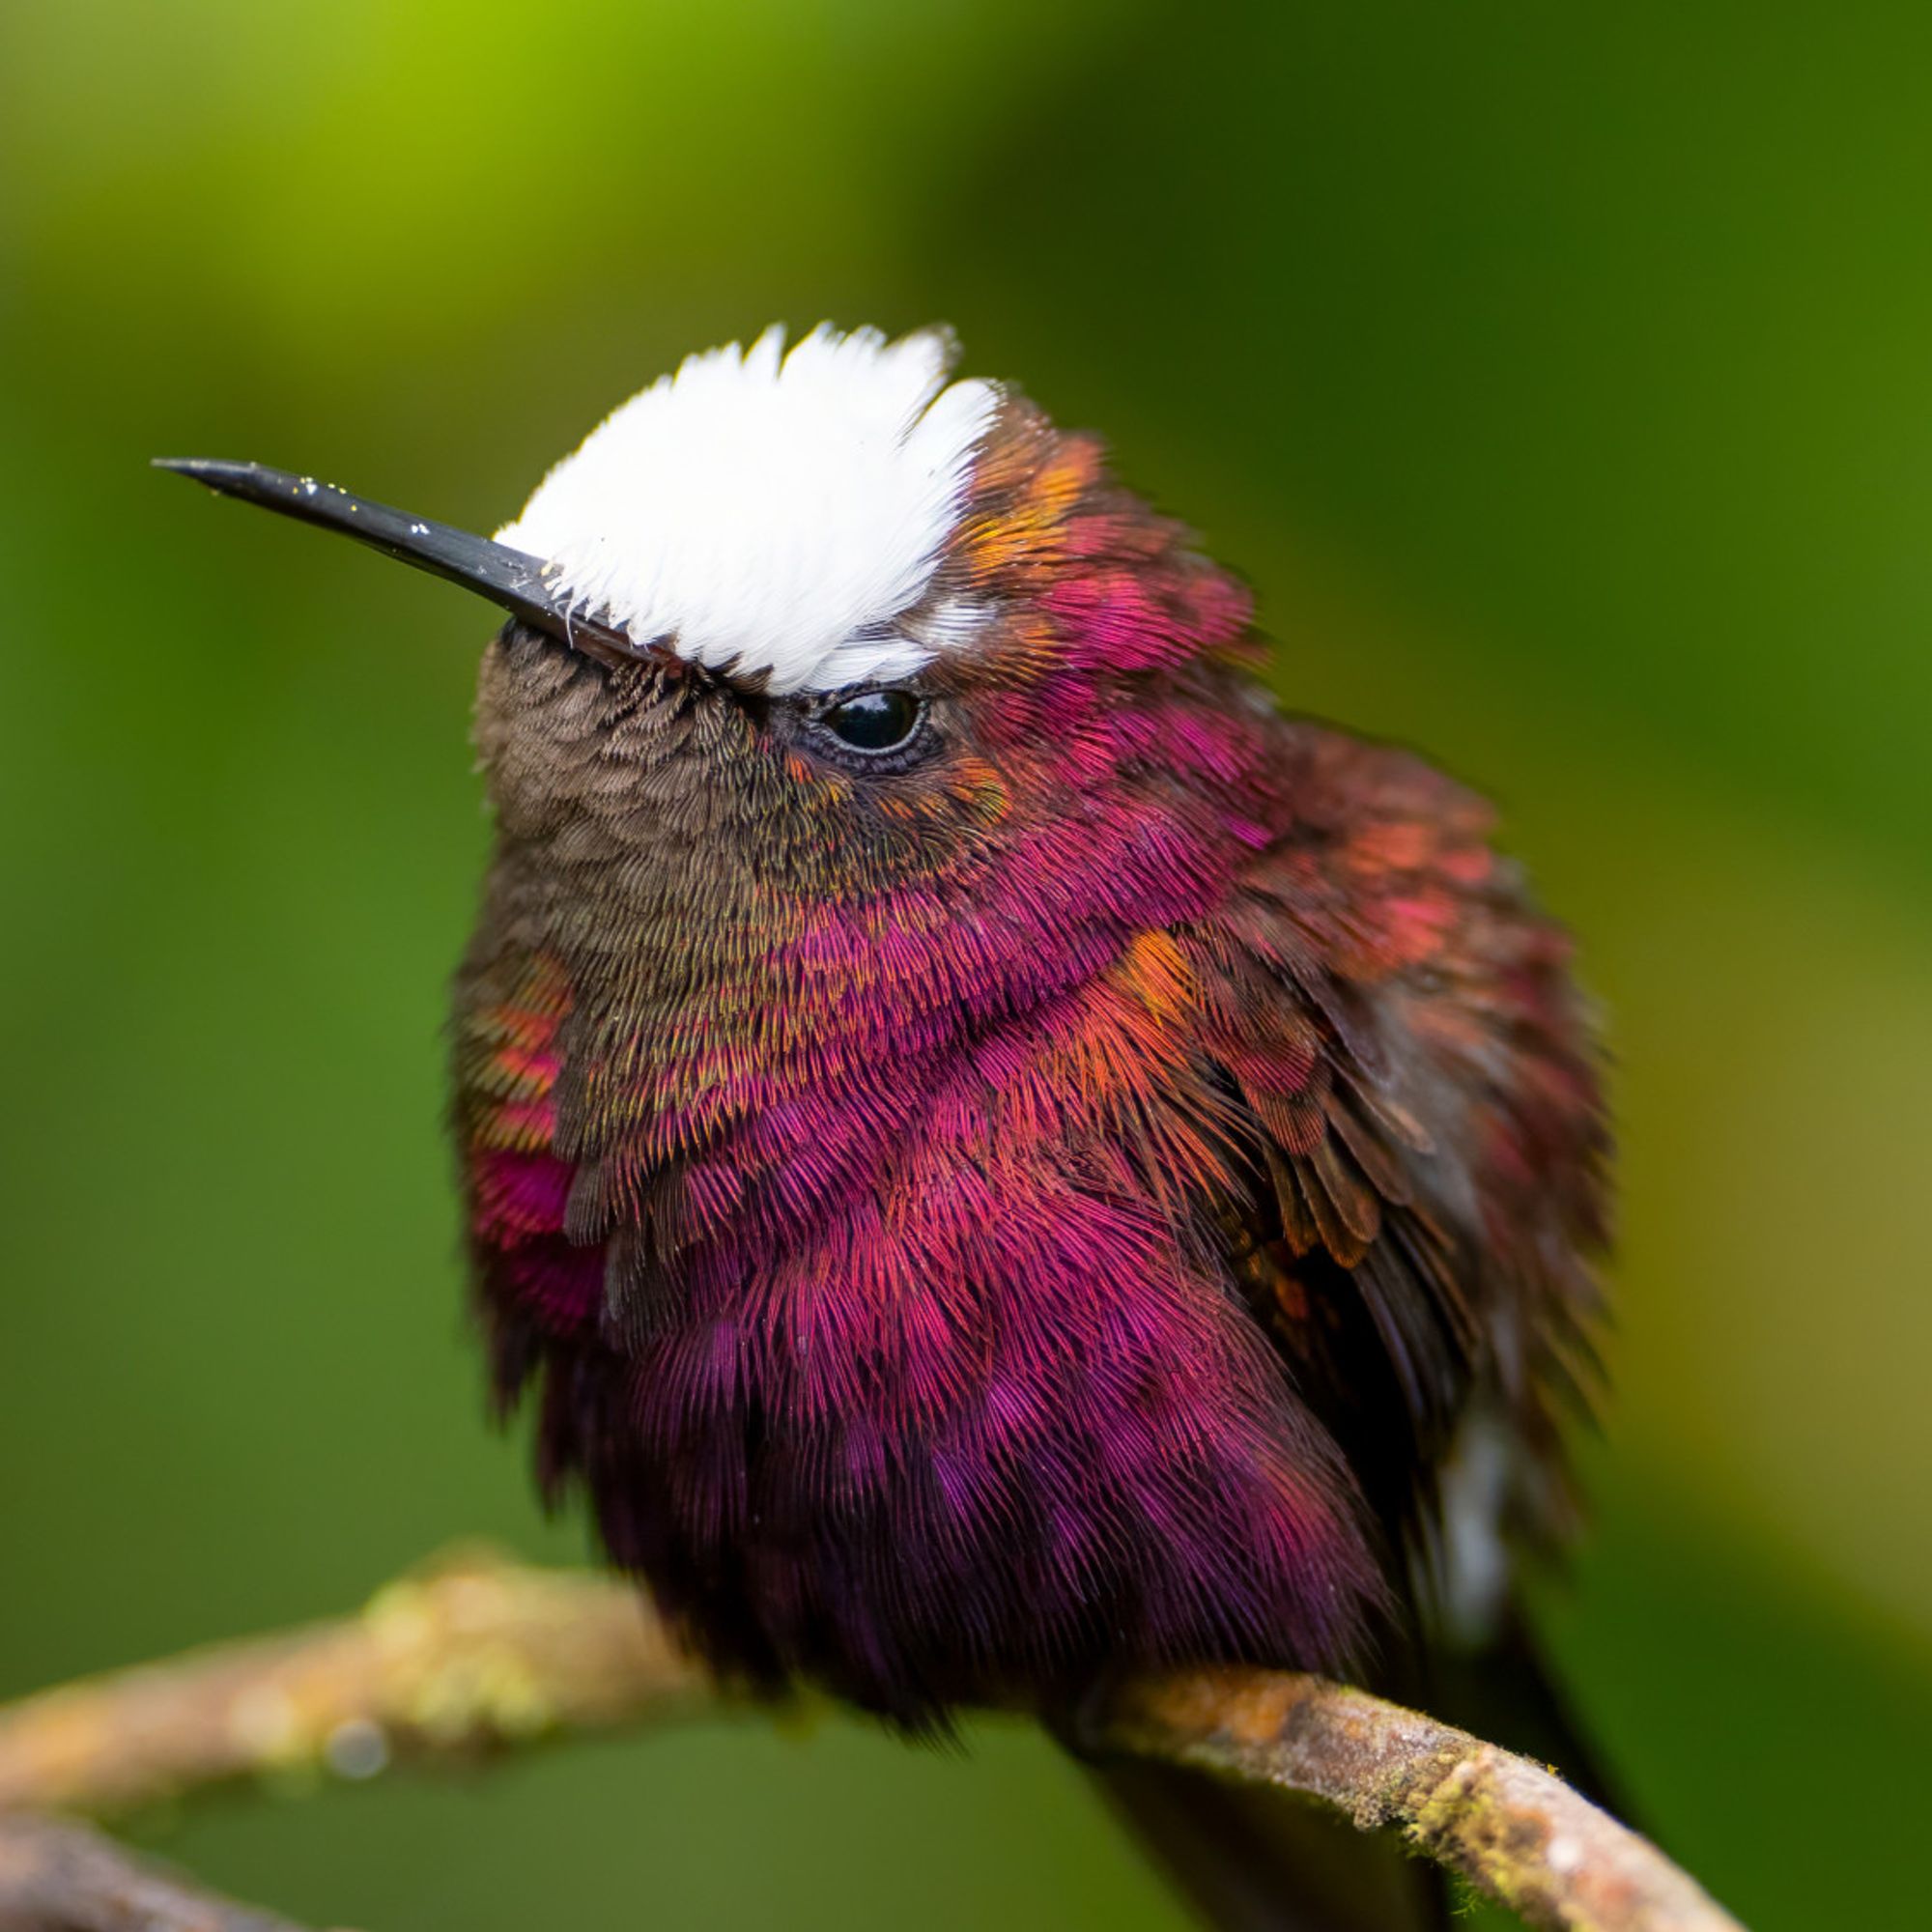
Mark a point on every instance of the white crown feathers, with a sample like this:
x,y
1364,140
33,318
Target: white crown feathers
x,y
761,511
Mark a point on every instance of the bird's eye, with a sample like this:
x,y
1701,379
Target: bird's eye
x,y
874,721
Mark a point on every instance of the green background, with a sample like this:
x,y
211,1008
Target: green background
x,y
1563,380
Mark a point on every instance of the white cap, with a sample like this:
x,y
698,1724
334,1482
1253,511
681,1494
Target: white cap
x,y
761,511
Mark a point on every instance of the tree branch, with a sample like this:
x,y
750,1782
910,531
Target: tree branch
x,y
479,1654
470,1653
1513,1829
57,1877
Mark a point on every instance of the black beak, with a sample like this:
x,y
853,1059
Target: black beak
x,y
506,577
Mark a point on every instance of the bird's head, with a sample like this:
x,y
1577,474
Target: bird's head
x,y
890,632
830,622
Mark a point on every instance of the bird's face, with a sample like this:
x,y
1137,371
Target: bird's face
x,y
906,651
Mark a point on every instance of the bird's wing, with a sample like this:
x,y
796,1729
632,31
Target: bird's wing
x,y
1415,1079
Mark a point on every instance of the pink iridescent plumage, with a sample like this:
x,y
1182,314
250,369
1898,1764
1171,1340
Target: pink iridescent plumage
x,y
1040,1212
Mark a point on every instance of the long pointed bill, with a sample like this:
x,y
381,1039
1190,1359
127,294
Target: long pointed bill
x,y
506,577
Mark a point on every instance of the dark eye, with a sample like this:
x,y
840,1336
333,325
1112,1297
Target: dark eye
x,y
874,721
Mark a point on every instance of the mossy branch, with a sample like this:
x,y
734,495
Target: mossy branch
x,y
477,1654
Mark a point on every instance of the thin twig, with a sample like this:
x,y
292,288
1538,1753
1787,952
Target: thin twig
x,y
61,1877
478,1653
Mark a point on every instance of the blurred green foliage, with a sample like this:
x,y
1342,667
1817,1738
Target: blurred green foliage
x,y
1560,378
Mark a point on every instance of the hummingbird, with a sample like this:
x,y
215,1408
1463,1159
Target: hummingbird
x,y
1000,1158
